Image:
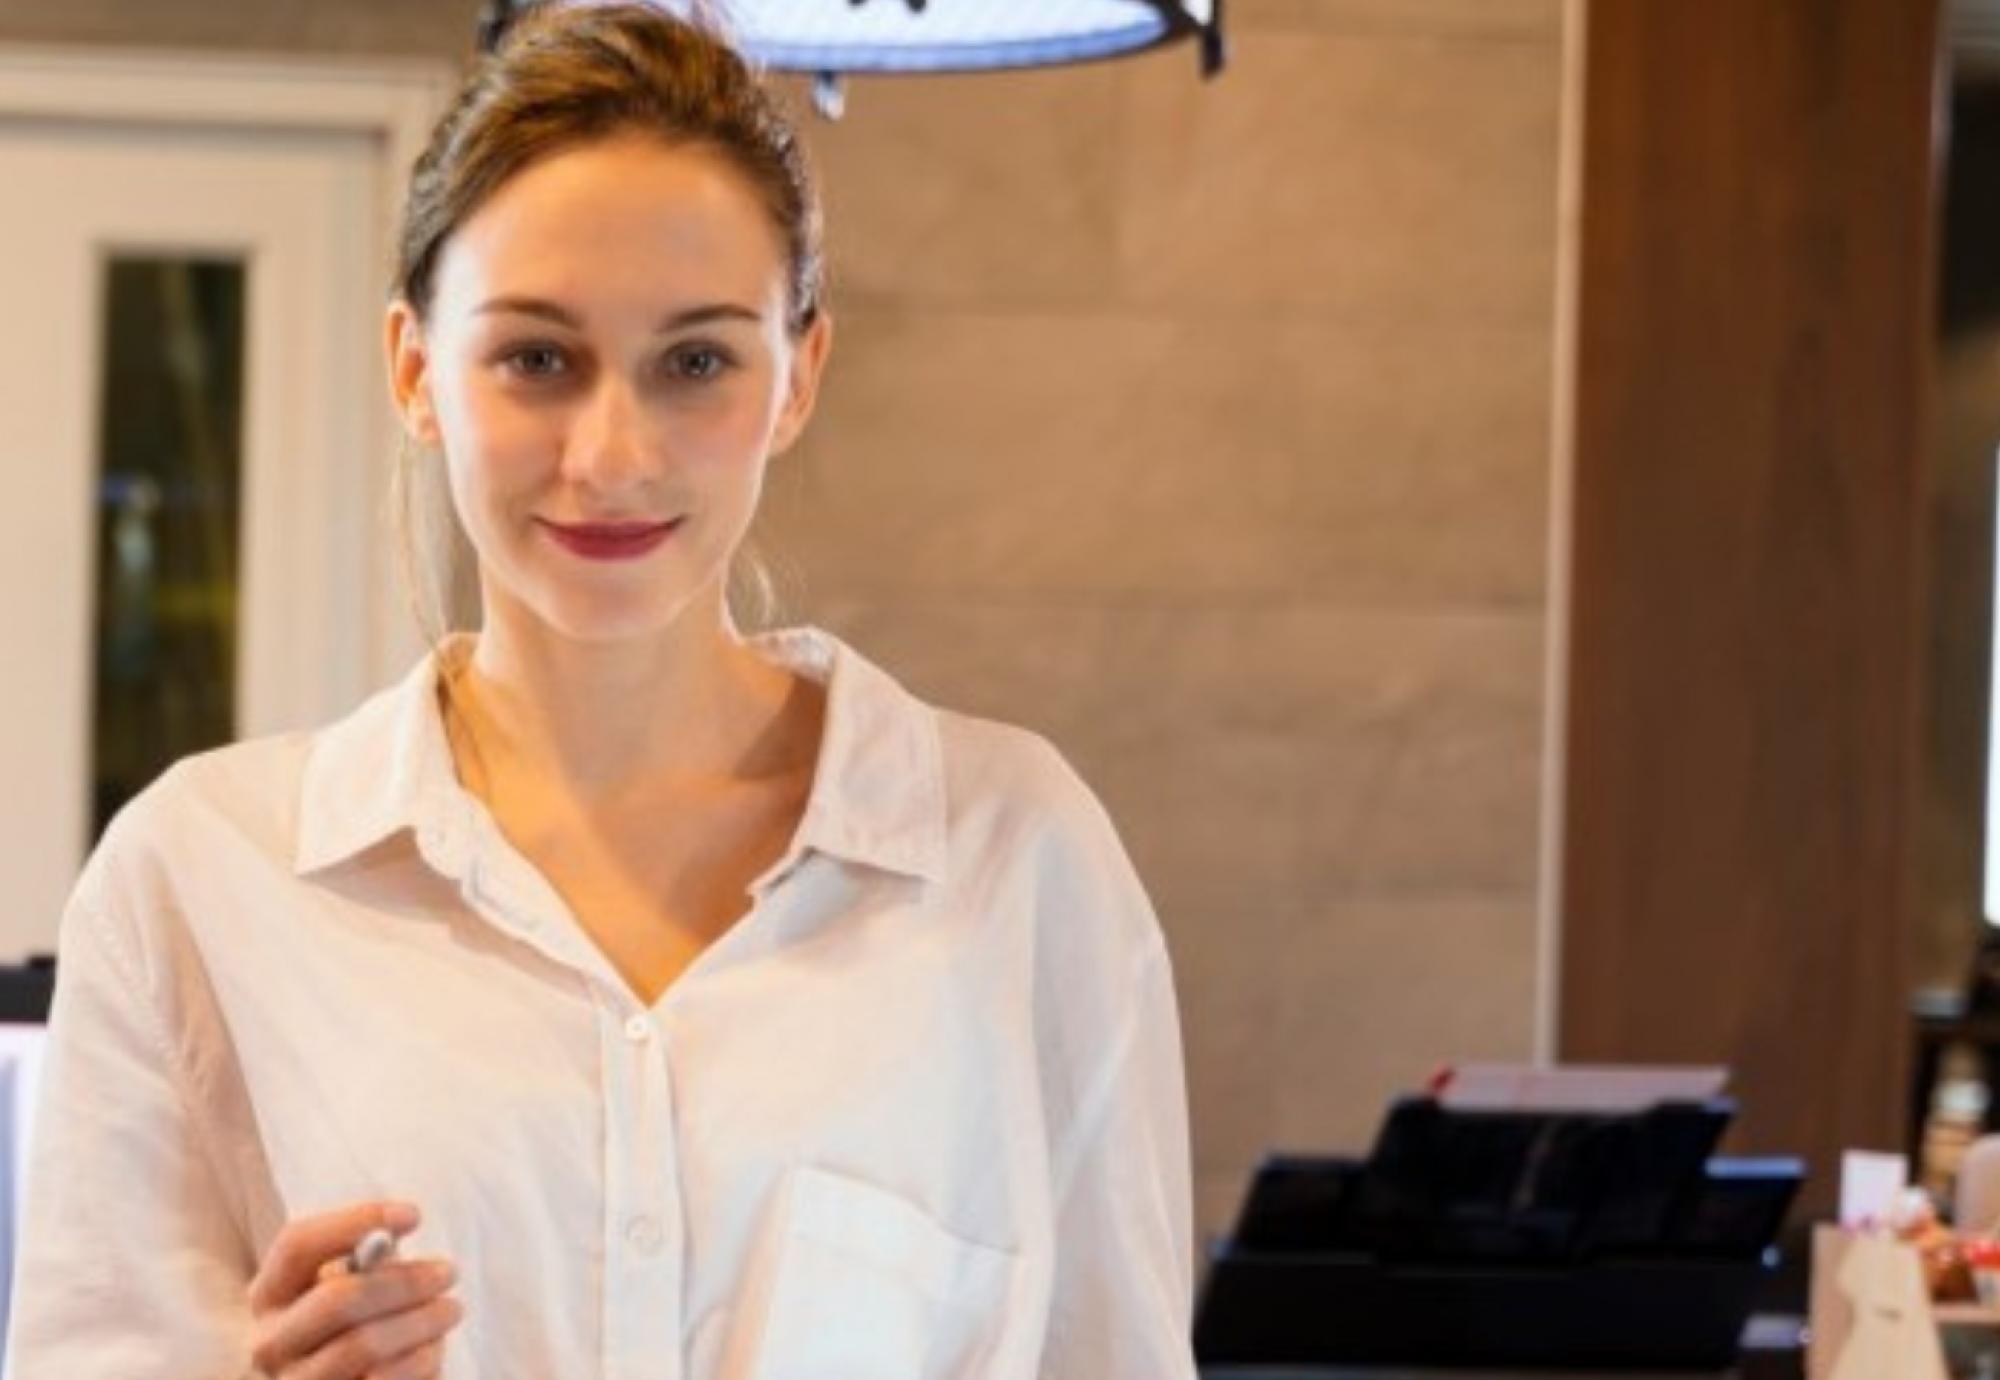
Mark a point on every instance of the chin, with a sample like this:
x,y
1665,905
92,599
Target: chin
x,y
600,620
601,606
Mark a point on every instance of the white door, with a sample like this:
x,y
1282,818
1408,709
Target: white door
x,y
295,218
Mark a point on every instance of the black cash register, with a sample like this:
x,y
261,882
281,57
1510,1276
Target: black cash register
x,y
1608,1240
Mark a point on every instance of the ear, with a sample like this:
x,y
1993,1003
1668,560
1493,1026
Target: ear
x,y
809,354
410,372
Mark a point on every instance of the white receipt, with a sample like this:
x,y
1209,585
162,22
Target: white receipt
x,y
1869,1186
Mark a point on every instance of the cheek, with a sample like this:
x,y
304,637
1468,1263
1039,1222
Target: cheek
x,y
497,444
488,479
727,437
481,482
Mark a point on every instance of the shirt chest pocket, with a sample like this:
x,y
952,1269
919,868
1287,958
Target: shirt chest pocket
x,y
869,1286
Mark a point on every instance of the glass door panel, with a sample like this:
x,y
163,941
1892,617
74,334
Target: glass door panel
x,y
169,510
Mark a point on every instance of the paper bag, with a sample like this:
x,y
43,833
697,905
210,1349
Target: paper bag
x,y
1871,1312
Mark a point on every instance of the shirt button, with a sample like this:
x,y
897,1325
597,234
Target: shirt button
x,y
643,1234
638,1030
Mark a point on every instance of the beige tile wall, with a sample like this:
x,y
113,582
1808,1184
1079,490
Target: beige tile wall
x,y
1206,429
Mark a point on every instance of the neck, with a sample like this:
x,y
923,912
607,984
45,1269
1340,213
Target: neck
x,y
599,721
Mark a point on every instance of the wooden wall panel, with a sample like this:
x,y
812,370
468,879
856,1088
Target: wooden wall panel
x,y
1753,347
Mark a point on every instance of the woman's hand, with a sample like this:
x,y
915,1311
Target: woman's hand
x,y
317,1321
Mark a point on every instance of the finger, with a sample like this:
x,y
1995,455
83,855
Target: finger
x,y
292,1264
359,1351
343,1303
425,1363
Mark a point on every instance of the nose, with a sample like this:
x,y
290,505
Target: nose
x,y
607,445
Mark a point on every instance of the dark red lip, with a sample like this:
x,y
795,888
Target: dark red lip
x,y
609,541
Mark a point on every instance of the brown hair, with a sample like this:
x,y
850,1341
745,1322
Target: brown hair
x,y
568,74
571,74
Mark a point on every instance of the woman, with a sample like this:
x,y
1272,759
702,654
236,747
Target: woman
x,y
688,1004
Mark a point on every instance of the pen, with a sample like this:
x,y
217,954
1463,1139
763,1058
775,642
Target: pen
x,y
370,1251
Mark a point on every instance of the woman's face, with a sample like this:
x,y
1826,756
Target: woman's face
x,y
606,367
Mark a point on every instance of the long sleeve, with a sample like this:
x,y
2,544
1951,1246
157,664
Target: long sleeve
x,y
1115,1104
1123,1290
129,1265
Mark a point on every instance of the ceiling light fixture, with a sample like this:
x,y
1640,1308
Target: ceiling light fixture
x,y
831,39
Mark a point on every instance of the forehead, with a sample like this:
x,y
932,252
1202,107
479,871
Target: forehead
x,y
632,221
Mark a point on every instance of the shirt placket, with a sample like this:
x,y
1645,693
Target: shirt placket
x,y
643,1240
645,1236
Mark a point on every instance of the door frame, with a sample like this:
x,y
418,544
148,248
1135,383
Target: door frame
x,y
392,101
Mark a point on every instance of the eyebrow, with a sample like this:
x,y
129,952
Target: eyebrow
x,y
676,321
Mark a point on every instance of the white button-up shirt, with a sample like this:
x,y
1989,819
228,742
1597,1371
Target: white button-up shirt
x,y
918,1115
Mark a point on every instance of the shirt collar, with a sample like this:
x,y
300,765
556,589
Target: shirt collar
x,y
878,788
877,795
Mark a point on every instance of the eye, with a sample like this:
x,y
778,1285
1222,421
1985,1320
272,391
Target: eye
x,y
536,361
699,363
